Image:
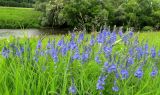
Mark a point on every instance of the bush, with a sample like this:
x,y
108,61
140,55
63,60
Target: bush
x,y
157,26
91,14
81,14
85,14
40,6
52,14
147,28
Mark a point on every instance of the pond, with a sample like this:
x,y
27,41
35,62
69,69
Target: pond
x,y
5,33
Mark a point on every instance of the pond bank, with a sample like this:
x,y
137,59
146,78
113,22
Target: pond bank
x,y
5,33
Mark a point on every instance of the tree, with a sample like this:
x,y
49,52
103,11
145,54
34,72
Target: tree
x,y
91,14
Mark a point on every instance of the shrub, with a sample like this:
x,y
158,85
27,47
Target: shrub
x,y
52,14
147,28
91,14
81,14
40,6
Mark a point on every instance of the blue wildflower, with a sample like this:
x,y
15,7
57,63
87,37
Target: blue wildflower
x,y
64,50
97,59
153,52
72,45
124,74
131,34
113,37
88,50
105,67
71,60
154,72
21,49
73,36
140,52
60,43
106,64
92,41
131,52
117,75
100,38
130,60
112,68
85,56
81,37
138,73
37,52
115,88
76,55
54,55
136,42
146,46
72,89
125,38
53,44
146,49
55,58
5,52
48,45
104,32
36,59
120,32
17,51
107,51
42,53
108,32
101,82
39,45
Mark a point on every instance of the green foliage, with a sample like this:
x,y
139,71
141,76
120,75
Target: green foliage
x,y
91,14
11,17
17,3
39,6
52,13
147,28
85,13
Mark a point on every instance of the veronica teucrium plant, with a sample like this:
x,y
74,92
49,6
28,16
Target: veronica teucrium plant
x,y
106,63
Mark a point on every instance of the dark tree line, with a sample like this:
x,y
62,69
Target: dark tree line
x,y
21,1
92,14
17,3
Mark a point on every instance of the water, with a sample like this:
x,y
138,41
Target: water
x,y
5,33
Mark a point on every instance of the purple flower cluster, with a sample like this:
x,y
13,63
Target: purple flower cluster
x,y
115,87
138,73
5,52
124,74
101,82
72,89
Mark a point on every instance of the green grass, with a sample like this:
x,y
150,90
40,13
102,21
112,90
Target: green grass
x,y
13,17
152,37
22,75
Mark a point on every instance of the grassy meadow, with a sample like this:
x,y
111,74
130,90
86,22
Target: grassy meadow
x,y
109,62
81,64
13,17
